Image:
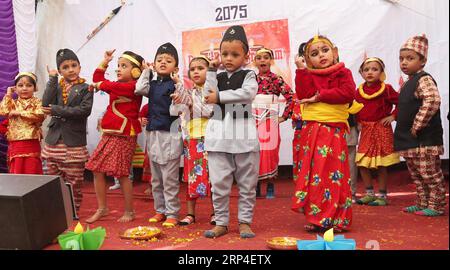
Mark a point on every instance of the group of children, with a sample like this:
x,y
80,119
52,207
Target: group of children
x,y
229,130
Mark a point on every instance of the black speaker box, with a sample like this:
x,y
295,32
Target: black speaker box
x,y
32,211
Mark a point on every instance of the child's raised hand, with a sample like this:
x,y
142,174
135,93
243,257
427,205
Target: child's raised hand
x,y
175,78
10,90
108,57
215,63
211,98
52,72
300,62
147,65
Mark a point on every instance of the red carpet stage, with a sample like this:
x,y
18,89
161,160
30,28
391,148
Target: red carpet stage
x,y
385,227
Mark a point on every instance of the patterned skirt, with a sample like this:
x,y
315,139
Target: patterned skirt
x,y
322,188
24,157
376,146
113,155
195,171
269,141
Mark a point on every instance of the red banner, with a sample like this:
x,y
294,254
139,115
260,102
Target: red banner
x,y
269,34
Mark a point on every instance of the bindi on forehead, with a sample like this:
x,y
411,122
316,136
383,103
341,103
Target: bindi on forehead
x,y
319,46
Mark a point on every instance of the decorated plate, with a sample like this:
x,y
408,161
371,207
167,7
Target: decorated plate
x,y
141,233
282,243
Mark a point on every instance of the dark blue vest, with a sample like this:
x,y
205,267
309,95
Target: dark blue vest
x,y
234,82
408,107
159,103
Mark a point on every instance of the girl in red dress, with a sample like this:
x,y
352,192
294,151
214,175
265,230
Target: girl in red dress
x,y
120,127
376,146
325,89
25,116
266,113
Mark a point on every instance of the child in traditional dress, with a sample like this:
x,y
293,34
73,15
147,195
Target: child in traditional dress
x,y
325,88
69,102
196,118
418,133
265,111
25,116
120,127
231,138
164,142
376,146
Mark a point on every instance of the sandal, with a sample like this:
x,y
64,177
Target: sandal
x,y
213,219
378,202
188,220
216,231
427,212
366,199
412,209
170,222
98,214
157,218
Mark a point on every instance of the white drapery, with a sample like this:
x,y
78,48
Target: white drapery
x,y
25,22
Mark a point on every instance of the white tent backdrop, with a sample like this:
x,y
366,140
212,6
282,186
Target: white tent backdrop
x,y
25,23
375,27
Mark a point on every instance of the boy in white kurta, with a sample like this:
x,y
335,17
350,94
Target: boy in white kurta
x,y
231,136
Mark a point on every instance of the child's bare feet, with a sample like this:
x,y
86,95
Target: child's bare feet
x,y
98,214
127,216
245,231
216,231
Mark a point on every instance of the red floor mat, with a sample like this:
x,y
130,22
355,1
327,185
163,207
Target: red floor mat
x,y
384,227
